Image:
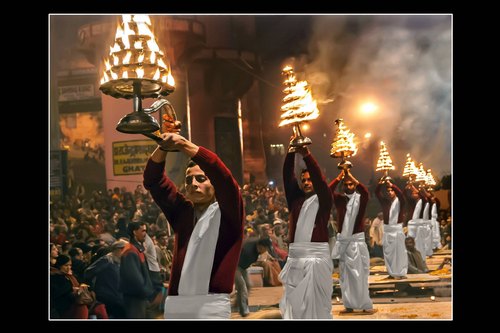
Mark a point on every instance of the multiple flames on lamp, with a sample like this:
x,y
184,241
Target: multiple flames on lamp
x,y
343,145
419,175
384,162
298,107
410,170
135,69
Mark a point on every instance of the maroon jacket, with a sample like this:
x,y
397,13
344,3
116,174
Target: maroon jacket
x,y
180,214
295,197
340,200
386,203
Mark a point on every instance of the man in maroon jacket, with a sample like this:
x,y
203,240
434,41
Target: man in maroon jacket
x,y
351,247
393,240
307,275
208,226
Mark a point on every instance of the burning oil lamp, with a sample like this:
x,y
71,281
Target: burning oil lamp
x,y
298,107
384,162
343,145
136,69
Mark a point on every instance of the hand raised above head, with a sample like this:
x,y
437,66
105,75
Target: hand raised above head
x,y
303,150
171,140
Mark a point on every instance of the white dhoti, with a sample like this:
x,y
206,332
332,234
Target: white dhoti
x,y
307,282
211,306
396,259
436,235
422,232
354,267
427,236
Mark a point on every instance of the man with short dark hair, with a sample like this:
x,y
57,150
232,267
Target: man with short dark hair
x,y
208,226
350,248
416,262
393,239
135,283
307,275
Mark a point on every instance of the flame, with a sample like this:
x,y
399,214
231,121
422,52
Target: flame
x,y
157,74
135,53
126,59
343,144
384,162
429,179
138,44
410,169
170,79
298,104
421,175
140,72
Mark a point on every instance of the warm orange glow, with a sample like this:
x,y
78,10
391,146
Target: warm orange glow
x,y
135,54
410,170
384,162
368,135
343,144
368,108
298,104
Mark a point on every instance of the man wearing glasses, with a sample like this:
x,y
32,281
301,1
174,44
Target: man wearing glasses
x,y
208,226
351,247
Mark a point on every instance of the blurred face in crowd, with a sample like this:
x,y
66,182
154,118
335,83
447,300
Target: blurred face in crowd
x,y
66,268
54,252
140,234
199,189
410,244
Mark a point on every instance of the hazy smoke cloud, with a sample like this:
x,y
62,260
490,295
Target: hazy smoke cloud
x,y
402,64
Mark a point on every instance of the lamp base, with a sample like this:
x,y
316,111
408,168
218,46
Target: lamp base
x,y
344,165
137,123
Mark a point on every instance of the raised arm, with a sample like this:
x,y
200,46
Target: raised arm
x,y
163,190
317,178
292,189
378,192
227,190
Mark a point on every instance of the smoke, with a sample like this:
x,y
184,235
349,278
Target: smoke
x,y
402,64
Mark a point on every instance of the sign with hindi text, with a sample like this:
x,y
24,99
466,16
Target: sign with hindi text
x,y
130,157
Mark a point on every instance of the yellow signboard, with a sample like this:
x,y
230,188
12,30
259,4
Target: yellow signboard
x,y
130,157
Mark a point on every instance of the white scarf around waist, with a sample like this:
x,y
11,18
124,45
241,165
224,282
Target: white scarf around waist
x,y
343,242
210,306
305,222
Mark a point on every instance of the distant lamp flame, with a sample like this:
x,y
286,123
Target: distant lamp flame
x,y
410,170
429,180
343,143
368,135
421,175
384,162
